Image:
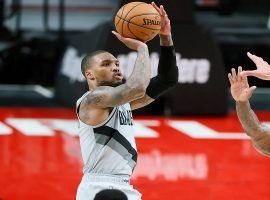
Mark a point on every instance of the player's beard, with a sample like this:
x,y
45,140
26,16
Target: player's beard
x,y
111,83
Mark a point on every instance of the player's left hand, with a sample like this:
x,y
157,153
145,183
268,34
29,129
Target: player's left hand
x,y
130,43
165,21
240,89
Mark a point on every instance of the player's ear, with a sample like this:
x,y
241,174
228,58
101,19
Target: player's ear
x,y
89,74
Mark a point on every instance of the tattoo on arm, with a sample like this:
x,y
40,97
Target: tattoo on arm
x,y
140,77
95,99
139,103
248,118
260,135
104,96
134,88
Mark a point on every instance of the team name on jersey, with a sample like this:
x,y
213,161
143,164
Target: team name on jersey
x,y
125,117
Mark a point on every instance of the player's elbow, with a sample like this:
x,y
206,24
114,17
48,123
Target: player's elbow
x,y
262,148
139,91
254,132
262,141
172,80
136,89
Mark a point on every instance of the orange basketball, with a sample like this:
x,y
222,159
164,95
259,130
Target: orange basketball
x,y
138,20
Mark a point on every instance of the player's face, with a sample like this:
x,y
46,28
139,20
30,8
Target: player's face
x,y
106,70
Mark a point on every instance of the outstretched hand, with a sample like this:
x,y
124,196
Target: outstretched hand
x,y
129,42
165,21
240,89
263,68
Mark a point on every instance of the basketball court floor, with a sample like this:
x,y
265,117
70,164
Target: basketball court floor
x,y
182,158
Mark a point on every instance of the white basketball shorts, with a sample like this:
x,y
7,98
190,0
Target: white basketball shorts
x,y
92,183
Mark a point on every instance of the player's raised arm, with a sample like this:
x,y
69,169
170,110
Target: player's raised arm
x,y
167,70
241,93
135,86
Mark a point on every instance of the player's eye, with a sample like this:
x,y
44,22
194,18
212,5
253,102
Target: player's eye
x,y
105,64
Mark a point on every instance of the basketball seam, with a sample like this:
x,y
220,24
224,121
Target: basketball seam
x,y
132,32
138,25
127,15
143,14
133,8
118,21
121,15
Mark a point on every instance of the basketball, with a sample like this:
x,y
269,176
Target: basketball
x,y
138,20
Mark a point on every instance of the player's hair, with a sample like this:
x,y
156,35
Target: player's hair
x,y
86,61
111,194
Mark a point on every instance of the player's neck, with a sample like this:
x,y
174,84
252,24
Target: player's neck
x,y
91,85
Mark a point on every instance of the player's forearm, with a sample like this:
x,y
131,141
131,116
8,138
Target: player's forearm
x,y
248,119
166,40
140,77
260,135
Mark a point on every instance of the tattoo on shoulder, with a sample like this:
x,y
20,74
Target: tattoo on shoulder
x,y
108,97
96,99
93,98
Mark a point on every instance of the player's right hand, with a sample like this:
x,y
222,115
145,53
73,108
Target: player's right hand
x,y
165,21
130,43
240,89
263,68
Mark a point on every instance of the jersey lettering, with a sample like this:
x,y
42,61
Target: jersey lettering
x,y
125,118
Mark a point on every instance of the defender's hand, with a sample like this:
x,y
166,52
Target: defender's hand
x,y
130,43
240,89
263,68
165,21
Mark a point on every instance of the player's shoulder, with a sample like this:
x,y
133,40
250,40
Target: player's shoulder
x,y
79,101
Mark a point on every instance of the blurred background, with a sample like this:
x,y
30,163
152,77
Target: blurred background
x,y
191,134
42,43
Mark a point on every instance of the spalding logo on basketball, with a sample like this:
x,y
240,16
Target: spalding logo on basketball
x,y
138,20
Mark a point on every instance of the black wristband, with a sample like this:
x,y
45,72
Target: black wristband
x,y
167,73
167,59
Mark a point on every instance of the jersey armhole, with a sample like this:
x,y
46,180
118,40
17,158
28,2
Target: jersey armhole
x,y
102,123
83,123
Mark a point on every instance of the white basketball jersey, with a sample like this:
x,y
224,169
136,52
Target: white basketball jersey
x,y
109,147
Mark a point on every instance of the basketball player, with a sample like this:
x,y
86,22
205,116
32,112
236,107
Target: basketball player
x,y
105,119
263,68
241,92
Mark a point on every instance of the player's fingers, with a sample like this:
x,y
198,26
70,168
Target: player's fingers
x,y
244,78
230,78
163,12
166,16
239,77
156,7
116,34
251,56
251,90
256,59
122,39
255,73
234,77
